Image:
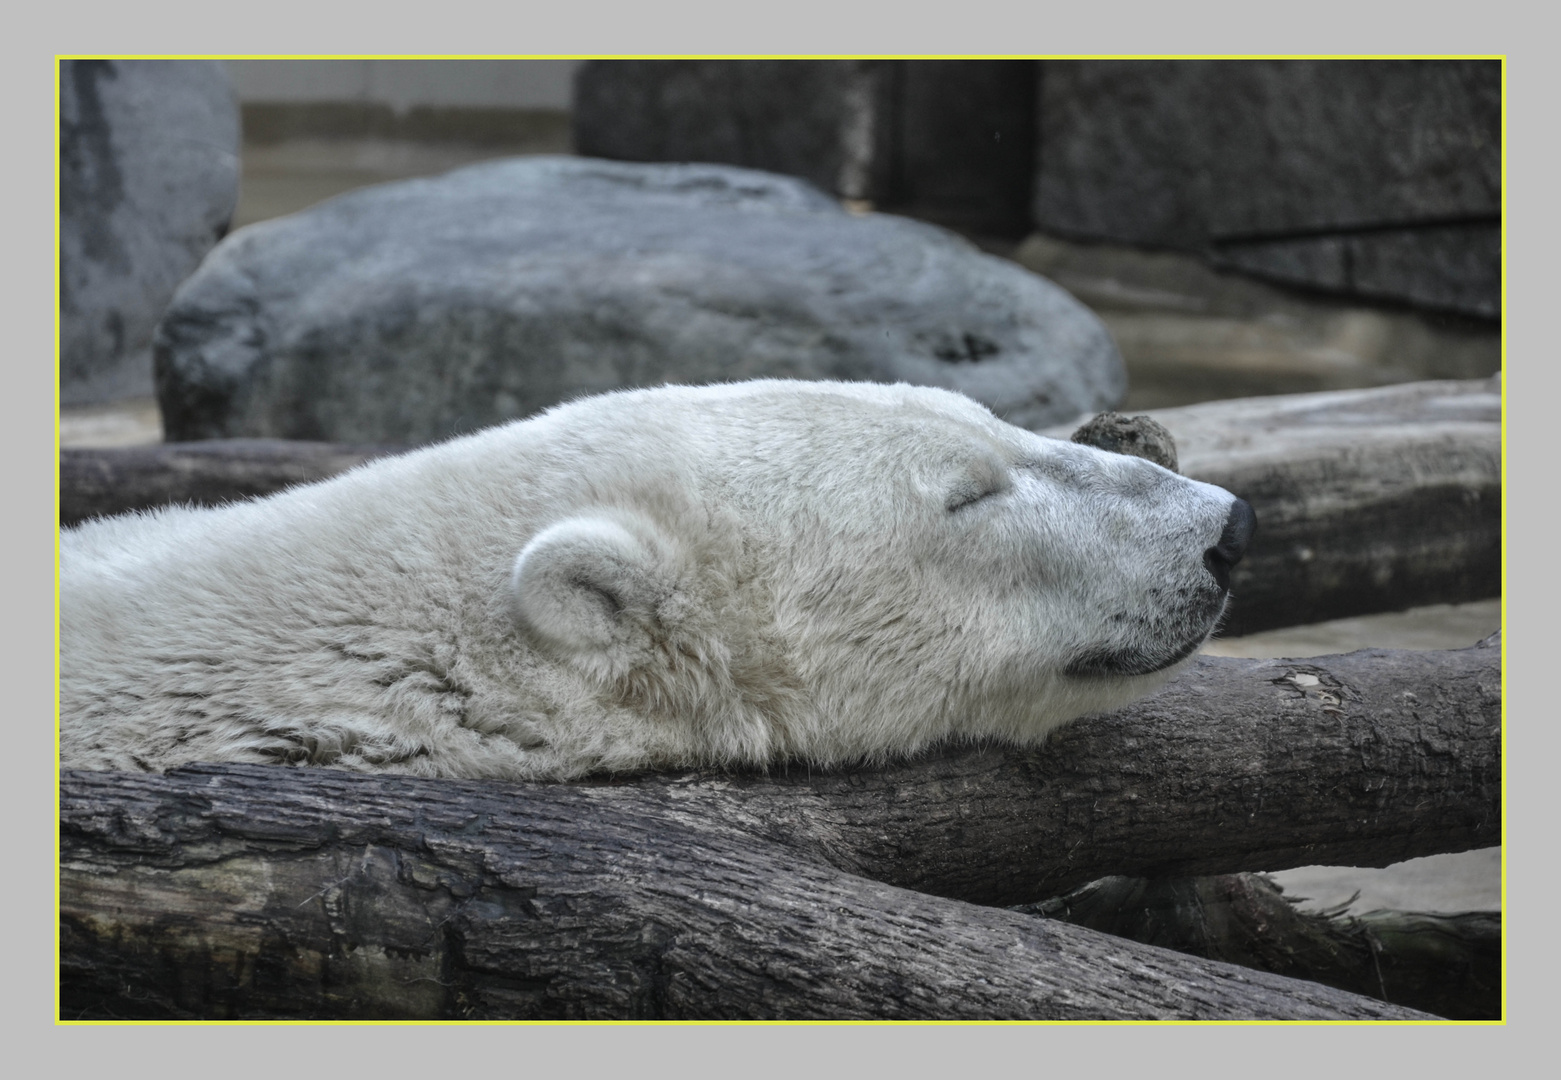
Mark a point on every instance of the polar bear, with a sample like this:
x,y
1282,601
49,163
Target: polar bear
x,y
728,576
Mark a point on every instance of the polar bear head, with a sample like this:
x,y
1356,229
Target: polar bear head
x,y
727,575
850,571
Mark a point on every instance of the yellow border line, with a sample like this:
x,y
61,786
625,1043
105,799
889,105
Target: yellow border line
x,y
57,139
362,1023
783,56
1504,504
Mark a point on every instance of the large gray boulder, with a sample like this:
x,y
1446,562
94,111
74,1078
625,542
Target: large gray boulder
x,y
1377,178
417,310
149,173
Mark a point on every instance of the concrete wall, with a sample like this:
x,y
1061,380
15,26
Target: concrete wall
x,y
402,84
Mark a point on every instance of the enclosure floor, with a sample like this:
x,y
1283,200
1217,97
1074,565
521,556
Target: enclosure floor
x,y
284,177
1466,881
135,422
1436,626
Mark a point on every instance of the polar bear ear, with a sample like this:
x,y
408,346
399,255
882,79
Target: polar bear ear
x,y
592,590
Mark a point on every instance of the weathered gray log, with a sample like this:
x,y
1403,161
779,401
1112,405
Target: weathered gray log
x,y
781,895
1366,500
1362,759
1236,765
1447,964
103,482
235,891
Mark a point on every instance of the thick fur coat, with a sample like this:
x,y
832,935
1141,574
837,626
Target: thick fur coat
x,y
728,575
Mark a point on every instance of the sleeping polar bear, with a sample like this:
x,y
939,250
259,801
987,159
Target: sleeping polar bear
x,y
727,575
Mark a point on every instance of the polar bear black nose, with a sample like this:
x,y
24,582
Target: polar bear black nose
x,y
1233,542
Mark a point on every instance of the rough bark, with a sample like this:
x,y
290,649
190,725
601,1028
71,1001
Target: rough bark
x,y
1447,964
254,892
1366,500
1236,765
103,482
248,891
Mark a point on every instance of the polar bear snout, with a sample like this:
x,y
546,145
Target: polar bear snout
x,y
1239,527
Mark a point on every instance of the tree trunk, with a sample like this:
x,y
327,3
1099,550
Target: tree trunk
x,y
265,891
100,483
1366,500
1448,964
254,892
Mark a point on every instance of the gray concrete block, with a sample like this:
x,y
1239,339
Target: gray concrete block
x,y
1377,178
149,175
820,120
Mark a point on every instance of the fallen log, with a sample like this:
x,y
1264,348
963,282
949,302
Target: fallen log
x,y
104,482
1448,964
1363,759
250,891
1367,500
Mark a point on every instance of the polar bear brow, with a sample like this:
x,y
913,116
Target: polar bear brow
x,y
1063,466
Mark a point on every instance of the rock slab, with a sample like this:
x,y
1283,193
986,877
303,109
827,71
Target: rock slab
x,y
149,173
821,120
417,310
948,141
1377,178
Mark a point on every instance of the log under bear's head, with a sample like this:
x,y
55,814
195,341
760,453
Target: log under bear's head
x,y
721,575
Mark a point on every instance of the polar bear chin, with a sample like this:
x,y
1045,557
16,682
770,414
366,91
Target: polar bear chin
x,y
1159,650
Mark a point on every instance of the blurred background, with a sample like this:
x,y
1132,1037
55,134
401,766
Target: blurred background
x,y
1339,229
1239,229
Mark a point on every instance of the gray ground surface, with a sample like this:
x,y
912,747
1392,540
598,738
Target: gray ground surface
x,y
280,178
1466,881
135,422
1438,626
1158,328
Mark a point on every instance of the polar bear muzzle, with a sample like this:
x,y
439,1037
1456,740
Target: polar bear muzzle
x,y
1169,638
1164,638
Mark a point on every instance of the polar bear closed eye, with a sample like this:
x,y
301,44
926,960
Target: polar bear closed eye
x,y
730,575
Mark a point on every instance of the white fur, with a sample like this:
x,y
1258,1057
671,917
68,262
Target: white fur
x,y
727,575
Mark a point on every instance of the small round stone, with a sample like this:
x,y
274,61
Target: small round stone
x,y
1138,436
